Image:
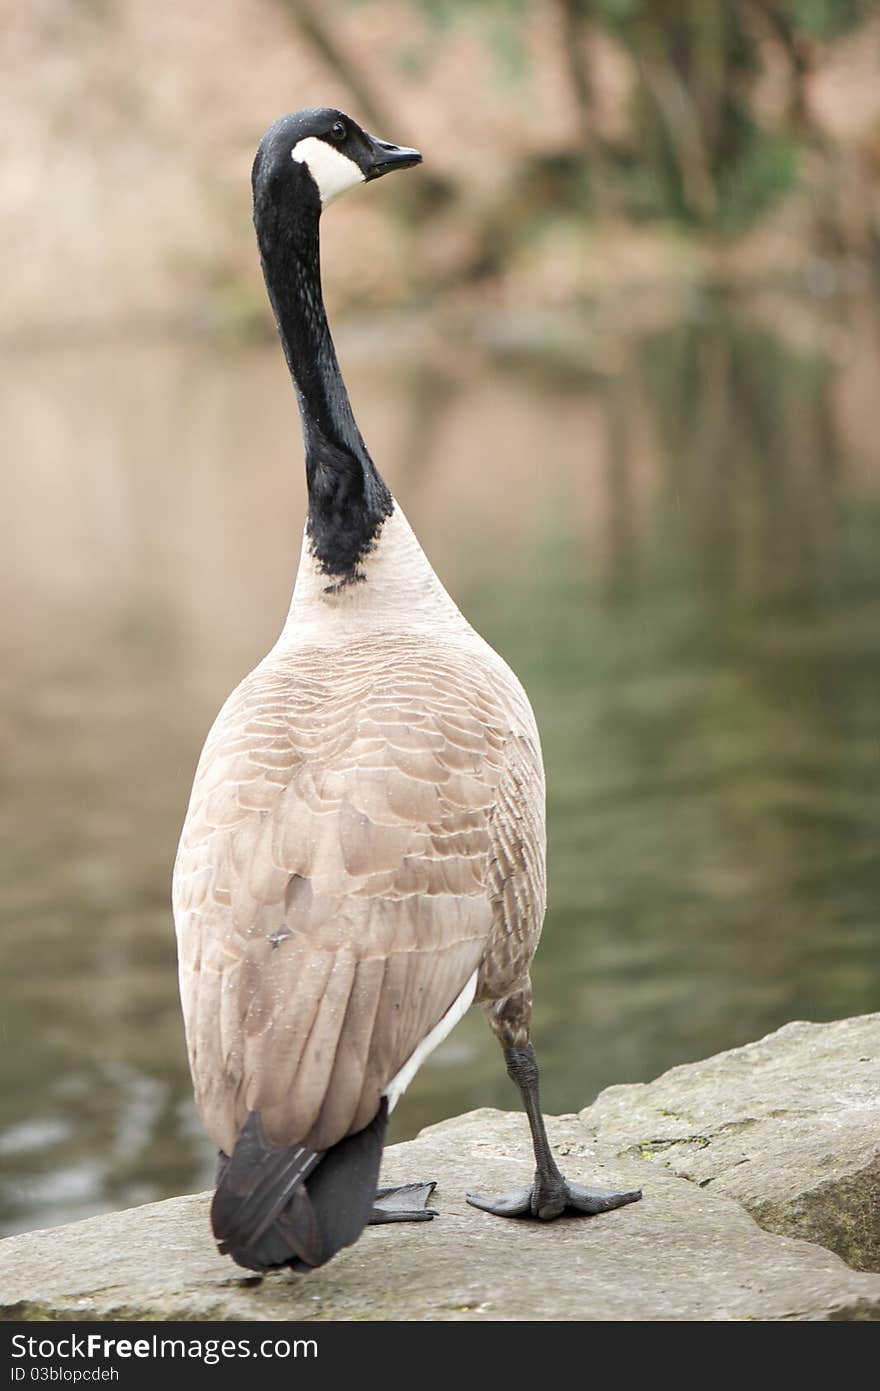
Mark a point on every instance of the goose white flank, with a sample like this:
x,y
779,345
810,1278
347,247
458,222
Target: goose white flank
x,y
363,854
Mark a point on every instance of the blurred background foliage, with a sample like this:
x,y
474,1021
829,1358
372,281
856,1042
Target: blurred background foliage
x,y
694,137
570,145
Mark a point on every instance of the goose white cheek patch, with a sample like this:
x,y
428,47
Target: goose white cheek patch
x,y
332,171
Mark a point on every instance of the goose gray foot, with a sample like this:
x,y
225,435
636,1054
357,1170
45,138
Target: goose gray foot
x,y
551,1194
406,1203
548,1198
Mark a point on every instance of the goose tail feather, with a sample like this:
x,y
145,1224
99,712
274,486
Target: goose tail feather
x,y
292,1206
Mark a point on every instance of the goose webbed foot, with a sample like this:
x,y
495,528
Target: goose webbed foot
x,y
406,1203
549,1197
551,1194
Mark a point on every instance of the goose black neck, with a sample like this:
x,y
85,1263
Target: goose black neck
x,y
348,500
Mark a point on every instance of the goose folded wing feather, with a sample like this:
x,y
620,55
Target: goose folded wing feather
x,y
342,896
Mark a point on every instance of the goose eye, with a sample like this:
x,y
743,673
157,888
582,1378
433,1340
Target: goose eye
x,y
338,131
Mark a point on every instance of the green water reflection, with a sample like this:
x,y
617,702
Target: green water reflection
x,y
673,534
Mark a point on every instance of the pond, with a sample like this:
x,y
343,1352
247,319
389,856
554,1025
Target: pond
x,y
667,520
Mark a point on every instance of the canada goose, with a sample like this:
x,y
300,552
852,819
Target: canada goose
x,y
363,853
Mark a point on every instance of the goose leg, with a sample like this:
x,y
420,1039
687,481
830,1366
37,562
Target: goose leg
x,y
550,1194
406,1203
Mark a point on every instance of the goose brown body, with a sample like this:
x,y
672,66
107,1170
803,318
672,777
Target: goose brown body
x,y
366,832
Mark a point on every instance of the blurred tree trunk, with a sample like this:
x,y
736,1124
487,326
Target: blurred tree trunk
x,y
687,52
680,119
310,19
577,16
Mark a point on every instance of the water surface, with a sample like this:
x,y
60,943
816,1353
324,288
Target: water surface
x,y
671,531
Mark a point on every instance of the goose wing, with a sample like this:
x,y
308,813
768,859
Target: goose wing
x,y
337,882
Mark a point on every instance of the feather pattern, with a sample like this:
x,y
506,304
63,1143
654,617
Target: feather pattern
x,y
366,830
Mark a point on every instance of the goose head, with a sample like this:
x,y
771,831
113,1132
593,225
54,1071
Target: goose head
x,y
314,155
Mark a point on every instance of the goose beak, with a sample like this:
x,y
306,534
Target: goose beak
x,y
388,157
